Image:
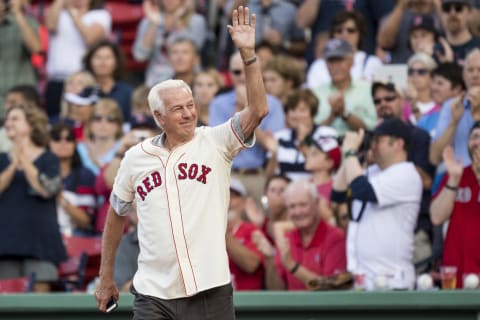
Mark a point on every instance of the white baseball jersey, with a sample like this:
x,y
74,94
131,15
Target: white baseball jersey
x,y
182,200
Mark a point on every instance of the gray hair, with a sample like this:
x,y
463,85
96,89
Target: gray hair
x,y
295,187
155,100
424,58
470,55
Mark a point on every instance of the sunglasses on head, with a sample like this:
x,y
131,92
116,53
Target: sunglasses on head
x,y
386,99
349,30
420,72
99,118
457,7
236,72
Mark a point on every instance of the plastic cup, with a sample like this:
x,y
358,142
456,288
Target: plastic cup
x,y
448,275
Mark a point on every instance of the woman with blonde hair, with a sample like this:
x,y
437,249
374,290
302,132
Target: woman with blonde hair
x,y
30,240
102,135
206,85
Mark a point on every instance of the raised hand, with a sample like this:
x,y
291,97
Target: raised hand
x,y
242,29
454,167
152,11
457,108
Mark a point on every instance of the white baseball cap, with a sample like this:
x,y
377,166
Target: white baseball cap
x,y
238,187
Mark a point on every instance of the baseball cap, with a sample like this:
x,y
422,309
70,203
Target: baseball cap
x,y
424,22
89,95
238,187
465,2
326,139
396,128
389,86
142,121
337,48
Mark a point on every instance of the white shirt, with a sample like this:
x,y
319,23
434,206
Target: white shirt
x,y
381,243
362,69
182,201
66,47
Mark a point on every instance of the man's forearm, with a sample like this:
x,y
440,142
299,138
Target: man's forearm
x,y
30,36
389,30
273,280
353,169
110,241
437,146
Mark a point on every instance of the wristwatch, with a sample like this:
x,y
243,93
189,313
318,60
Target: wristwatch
x,y
350,153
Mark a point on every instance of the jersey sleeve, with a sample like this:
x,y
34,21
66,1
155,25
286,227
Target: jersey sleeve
x,y
123,184
229,137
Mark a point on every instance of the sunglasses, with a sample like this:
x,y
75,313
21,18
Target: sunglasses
x,y
457,7
236,72
99,118
420,72
386,99
349,30
67,138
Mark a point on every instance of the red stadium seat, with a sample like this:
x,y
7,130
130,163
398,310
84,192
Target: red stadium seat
x,y
17,285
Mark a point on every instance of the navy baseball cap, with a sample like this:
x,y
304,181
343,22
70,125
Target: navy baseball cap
x,y
89,95
424,22
464,2
337,48
394,127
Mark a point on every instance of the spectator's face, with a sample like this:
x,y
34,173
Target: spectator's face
x,y
441,89
301,208
383,150
275,84
422,40
183,57
103,62
474,146
236,70
387,103
339,69
13,99
236,206
348,31
172,5
3,9
63,145
204,89
300,115
16,125
104,124
471,70
180,118
419,76
80,113
455,17
275,196
317,160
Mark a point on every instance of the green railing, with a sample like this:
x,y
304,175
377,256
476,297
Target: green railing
x,y
270,305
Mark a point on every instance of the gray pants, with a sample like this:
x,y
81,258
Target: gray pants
x,y
214,304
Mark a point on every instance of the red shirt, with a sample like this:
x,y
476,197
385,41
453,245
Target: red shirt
x,y
325,255
461,247
241,279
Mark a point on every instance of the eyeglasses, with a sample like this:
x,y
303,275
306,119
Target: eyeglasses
x,y
457,7
420,72
98,118
58,138
236,72
349,30
386,99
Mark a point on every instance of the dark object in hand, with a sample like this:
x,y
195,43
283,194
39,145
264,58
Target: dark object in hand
x,y
341,281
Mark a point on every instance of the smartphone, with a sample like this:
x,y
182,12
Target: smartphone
x,y
111,305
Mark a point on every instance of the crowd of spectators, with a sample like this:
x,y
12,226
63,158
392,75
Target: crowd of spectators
x,y
351,171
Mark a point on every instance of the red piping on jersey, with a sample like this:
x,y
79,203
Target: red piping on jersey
x,y
183,229
236,135
169,215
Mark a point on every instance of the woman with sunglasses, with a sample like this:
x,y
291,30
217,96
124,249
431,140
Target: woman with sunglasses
x,y
76,203
102,133
348,26
30,240
418,93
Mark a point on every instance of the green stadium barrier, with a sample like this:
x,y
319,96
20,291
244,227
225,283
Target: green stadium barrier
x,y
270,305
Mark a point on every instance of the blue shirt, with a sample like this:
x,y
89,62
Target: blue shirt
x,y
122,93
460,140
223,108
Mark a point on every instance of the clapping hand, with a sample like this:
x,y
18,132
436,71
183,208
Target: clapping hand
x,y
353,140
152,11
